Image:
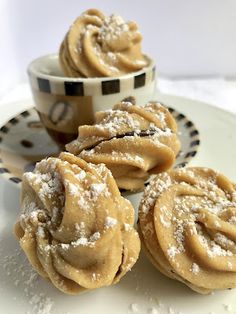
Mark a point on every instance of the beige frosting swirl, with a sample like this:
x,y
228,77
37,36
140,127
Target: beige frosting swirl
x,y
187,221
75,228
99,46
132,141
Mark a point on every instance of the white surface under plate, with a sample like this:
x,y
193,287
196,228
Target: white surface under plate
x,y
144,289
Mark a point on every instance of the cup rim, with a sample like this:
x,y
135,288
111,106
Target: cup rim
x,y
32,70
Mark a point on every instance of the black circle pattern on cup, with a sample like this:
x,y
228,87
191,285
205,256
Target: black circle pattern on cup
x,y
181,161
82,88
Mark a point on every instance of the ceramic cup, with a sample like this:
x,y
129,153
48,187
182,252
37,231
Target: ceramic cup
x,y
64,103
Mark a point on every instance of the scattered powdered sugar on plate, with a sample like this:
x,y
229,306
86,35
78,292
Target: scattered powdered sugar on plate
x,y
153,301
171,311
134,307
25,279
152,310
228,307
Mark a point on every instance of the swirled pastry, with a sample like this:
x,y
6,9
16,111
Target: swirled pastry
x,y
99,46
187,222
132,141
75,228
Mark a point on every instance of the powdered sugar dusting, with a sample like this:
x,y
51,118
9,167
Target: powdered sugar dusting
x,y
112,28
48,182
97,188
21,276
195,268
230,265
134,307
110,222
153,190
172,251
87,241
212,248
115,120
152,310
127,227
81,175
198,204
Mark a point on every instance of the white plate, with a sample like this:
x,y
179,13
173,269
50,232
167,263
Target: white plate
x,y
144,288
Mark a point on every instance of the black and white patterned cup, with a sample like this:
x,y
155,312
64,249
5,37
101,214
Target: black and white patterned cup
x,y
64,103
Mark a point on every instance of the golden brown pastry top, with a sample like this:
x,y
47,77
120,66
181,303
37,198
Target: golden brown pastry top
x,y
187,219
100,46
75,227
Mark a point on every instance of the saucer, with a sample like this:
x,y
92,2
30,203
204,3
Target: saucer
x,y
24,141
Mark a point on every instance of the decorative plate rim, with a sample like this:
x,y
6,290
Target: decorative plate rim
x,y
189,125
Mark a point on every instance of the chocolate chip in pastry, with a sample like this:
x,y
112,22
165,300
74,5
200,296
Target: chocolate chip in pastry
x,y
132,141
187,223
75,228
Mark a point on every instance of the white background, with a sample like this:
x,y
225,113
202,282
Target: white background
x,y
186,37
